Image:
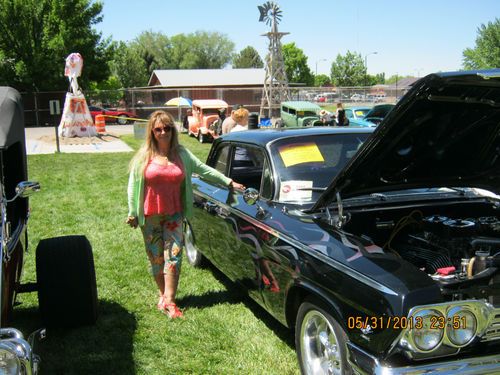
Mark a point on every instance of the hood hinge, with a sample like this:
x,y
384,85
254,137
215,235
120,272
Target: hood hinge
x,y
339,220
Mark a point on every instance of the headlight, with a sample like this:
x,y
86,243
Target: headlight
x,y
461,326
429,334
9,363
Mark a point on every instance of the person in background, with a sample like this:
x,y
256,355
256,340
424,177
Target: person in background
x,y
325,117
160,197
340,115
240,116
185,119
229,122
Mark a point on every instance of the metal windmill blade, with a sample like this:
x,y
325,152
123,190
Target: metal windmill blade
x,y
269,12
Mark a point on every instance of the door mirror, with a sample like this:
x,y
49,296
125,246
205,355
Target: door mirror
x,y
251,196
26,188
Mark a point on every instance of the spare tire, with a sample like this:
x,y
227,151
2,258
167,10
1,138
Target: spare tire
x,y
67,290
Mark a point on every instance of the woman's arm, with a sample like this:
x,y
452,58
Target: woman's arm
x,y
132,204
212,174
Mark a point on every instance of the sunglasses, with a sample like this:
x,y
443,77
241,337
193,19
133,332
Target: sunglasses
x,y
166,129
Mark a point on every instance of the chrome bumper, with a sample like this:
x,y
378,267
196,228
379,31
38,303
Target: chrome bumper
x,y
12,341
366,364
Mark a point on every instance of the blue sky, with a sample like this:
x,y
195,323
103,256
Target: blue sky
x,y
410,37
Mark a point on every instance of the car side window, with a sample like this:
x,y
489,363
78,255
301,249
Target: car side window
x,y
246,166
221,159
348,113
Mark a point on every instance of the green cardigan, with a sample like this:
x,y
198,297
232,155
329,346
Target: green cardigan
x,y
191,165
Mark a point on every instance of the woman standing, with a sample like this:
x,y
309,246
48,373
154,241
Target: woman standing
x,y
160,196
241,118
342,120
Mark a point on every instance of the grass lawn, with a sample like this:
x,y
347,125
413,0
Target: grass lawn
x,y
223,332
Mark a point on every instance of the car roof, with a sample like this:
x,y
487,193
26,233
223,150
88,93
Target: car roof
x,y
210,103
301,105
262,137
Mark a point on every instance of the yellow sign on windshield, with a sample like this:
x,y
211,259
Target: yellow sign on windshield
x,y
301,153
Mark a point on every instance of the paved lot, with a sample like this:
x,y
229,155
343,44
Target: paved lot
x,y
43,141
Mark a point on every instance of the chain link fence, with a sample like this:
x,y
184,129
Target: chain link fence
x,y
143,101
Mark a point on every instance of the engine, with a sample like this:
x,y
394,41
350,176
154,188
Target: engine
x,y
459,253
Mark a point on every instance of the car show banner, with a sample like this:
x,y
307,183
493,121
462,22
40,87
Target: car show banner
x,y
76,120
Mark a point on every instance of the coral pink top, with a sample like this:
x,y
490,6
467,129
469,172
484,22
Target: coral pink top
x,y
162,189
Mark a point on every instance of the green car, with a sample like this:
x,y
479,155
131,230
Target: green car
x,y
299,113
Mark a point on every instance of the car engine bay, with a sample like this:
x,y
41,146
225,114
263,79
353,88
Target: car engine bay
x,y
460,251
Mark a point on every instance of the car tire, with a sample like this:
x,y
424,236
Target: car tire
x,y
201,137
67,290
320,341
193,255
122,120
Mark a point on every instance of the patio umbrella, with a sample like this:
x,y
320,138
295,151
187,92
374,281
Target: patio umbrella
x,y
179,102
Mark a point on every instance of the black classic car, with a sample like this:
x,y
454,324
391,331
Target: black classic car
x,y
379,247
66,282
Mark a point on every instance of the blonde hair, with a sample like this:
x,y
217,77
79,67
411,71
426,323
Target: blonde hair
x,y
150,145
241,116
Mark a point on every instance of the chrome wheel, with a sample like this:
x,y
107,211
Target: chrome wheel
x,y
194,257
122,120
320,349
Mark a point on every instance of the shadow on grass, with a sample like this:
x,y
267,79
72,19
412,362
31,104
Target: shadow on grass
x,y
234,294
104,348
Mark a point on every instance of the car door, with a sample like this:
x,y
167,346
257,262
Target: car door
x,y
224,221
207,223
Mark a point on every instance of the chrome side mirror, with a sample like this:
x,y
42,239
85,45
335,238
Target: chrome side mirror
x,y
25,189
250,196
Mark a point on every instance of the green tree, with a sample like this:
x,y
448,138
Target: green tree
x,y
210,50
296,66
348,70
486,54
322,80
154,49
37,35
374,80
129,67
392,79
247,58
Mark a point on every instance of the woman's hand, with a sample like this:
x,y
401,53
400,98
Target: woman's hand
x,y
236,186
132,221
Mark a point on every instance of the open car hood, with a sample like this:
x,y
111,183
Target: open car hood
x,y
445,132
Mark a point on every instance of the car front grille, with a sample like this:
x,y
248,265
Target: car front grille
x,y
493,331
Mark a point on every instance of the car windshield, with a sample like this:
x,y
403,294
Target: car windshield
x,y
361,112
211,111
306,113
305,166
380,111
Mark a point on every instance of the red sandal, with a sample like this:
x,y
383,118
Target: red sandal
x,y
173,311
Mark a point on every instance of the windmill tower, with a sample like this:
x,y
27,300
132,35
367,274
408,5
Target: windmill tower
x,y
275,88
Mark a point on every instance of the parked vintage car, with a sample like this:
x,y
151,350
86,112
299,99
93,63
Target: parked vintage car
x,y
66,281
299,113
373,117
112,115
381,249
356,113
204,123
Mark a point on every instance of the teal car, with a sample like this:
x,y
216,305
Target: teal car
x,y
356,113
373,117
299,113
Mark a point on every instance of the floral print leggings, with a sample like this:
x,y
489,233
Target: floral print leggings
x,y
163,237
